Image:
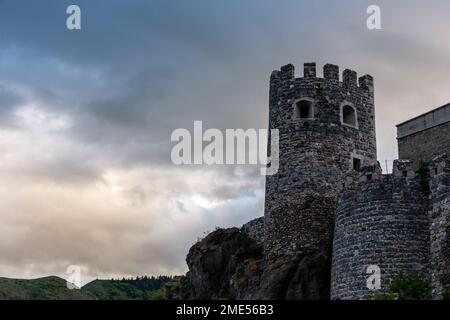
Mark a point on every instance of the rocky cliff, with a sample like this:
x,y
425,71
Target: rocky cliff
x,y
229,264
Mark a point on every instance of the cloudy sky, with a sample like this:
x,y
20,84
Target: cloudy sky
x,y
86,116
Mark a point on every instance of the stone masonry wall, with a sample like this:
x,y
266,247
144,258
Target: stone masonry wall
x,y
314,154
439,215
380,220
425,145
255,229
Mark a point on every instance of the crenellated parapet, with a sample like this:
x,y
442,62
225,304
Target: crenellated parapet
x,y
286,75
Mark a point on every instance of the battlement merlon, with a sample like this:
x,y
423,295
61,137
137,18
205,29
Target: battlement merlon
x,y
441,160
349,78
309,70
330,73
366,82
403,168
370,172
439,167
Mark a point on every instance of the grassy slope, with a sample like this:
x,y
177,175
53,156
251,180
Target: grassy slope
x,y
54,288
116,290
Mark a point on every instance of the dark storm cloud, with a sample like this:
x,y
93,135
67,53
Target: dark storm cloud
x,y
9,101
155,67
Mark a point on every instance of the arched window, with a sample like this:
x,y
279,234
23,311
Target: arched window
x,y
348,116
304,109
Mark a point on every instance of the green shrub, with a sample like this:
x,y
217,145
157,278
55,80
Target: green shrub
x,y
384,296
423,173
158,295
406,288
410,288
446,294
247,247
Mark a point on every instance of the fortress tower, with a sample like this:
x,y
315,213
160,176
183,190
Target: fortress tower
x,y
381,221
326,129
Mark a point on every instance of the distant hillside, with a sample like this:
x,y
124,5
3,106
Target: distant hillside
x,y
54,288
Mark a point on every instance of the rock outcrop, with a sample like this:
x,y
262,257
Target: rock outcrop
x,y
305,276
226,264
229,264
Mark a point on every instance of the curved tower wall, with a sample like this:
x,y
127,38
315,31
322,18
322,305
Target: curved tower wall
x,y
439,215
382,221
315,154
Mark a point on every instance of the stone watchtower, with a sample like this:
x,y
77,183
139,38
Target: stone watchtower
x,y
326,128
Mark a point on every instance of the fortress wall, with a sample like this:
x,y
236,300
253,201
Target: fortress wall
x,y
426,136
314,154
255,229
440,225
426,144
380,220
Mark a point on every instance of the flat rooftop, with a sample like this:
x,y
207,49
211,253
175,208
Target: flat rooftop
x,y
423,122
